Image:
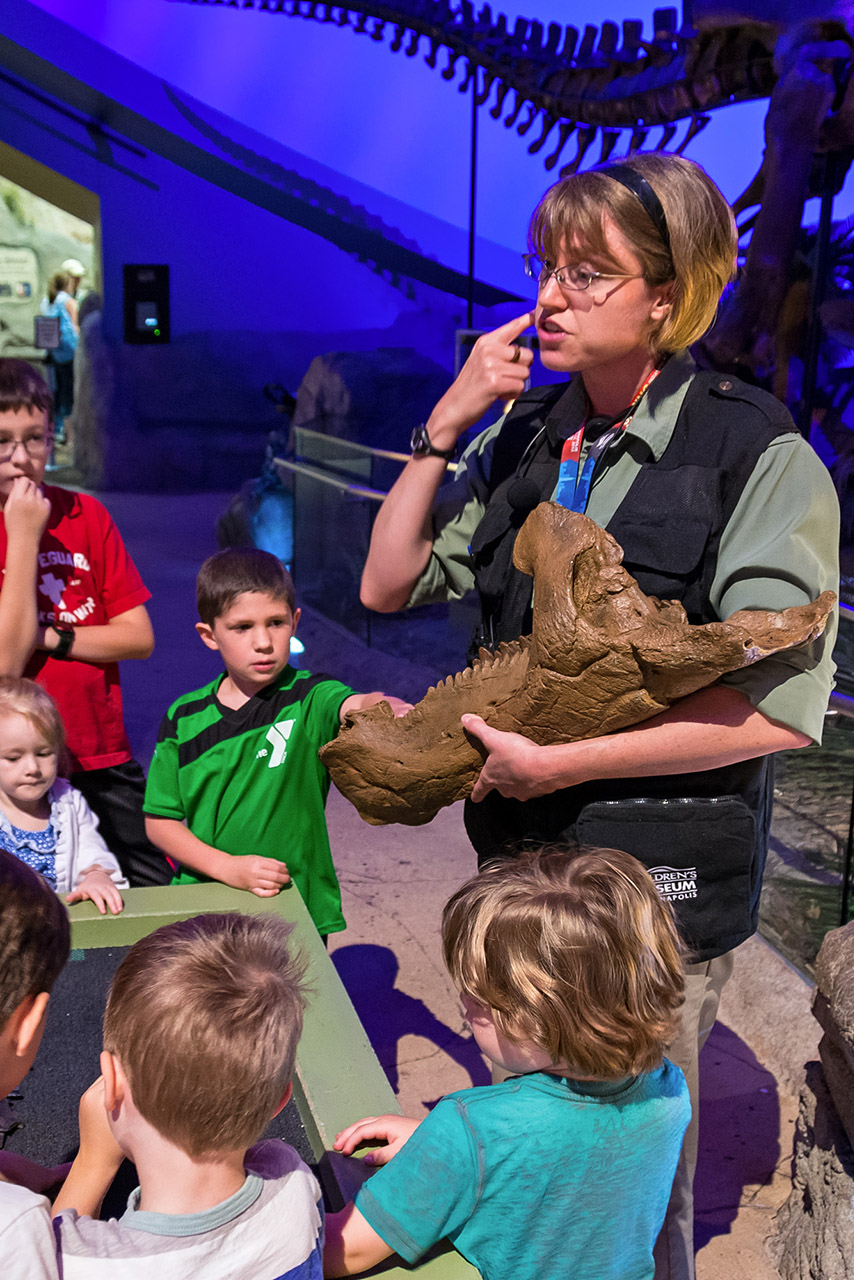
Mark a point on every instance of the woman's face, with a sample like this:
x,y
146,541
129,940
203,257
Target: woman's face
x,y
605,324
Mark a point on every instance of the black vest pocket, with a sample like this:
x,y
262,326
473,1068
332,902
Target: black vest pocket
x,y
701,855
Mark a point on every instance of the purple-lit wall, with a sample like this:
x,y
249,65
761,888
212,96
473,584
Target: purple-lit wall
x,y
254,296
383,119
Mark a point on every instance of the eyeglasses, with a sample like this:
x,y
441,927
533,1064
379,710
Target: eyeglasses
x,y
34,446
568,279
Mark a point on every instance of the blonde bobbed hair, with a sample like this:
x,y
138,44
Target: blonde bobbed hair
x,y
700,261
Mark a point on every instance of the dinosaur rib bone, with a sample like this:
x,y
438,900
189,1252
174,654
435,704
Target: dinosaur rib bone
x,y
601,656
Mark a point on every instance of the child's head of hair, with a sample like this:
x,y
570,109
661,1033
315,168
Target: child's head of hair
x,y
227,574
20,697
22,388
574,952
34,934
204,1016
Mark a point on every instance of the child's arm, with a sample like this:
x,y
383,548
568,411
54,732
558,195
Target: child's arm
x,y
97,1162
25,516
92,871
351,1244
264,877
127,635
361,702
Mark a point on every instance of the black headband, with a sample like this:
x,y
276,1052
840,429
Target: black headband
x,y
638,185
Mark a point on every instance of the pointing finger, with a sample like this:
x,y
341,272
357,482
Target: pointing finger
x,y
514,328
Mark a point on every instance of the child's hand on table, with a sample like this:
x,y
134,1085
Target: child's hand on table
x,y
97,886
265,877
393,1130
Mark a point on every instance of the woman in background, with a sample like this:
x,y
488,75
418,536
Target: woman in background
x,y
60,303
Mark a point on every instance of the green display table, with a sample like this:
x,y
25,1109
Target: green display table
x,y
338,1078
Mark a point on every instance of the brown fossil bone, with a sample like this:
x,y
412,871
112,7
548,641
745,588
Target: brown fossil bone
x,y
601,656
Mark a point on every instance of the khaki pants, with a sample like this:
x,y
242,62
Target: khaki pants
x,y
674,1249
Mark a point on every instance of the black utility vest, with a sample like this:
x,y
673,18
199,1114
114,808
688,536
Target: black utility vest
x,y
669,525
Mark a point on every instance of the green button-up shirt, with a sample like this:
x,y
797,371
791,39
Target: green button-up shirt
x,y
779,548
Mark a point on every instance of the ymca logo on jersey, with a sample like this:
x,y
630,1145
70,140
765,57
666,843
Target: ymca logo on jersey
x,y
277,736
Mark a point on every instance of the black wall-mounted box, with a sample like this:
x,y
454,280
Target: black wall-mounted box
x,y
146,303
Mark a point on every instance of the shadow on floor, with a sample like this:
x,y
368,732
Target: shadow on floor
x,y
739,1133
369,974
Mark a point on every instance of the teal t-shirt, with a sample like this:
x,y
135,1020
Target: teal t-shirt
x,y
538,1176
250,782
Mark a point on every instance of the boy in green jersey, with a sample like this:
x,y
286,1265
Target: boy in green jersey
x,y
236,791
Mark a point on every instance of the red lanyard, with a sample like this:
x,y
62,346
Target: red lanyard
x,y
573,489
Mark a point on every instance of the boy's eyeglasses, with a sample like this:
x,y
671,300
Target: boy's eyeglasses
x,y
34,447
568,279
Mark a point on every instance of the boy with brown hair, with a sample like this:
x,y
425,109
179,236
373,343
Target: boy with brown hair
x,y
236,791
34,946
200,1034
82,610
570,974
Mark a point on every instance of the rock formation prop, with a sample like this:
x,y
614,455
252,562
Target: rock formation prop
x,y
815,1227
602,655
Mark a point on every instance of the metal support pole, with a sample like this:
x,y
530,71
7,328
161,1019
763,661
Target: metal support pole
x,y
817,290
472,202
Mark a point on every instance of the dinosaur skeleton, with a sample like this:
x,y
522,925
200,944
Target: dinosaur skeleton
x,y
601,656
601,81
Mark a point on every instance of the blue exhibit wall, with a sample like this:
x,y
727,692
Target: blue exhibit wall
x,y
307,187
382,118
273,258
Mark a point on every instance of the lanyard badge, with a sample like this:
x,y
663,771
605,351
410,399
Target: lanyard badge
x,y
573,489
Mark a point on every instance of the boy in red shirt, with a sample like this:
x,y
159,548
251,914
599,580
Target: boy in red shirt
x,y
90,613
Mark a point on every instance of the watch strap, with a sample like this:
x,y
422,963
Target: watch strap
x,y
422,446
66,639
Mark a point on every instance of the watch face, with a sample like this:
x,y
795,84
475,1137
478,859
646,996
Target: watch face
x,y
418,442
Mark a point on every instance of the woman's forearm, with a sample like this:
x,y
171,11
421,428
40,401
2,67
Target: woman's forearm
x,y
707,730
402,538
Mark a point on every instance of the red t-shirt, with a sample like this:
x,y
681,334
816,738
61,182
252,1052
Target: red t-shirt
x,y
85,577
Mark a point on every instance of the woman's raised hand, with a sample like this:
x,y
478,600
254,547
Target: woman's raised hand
x,y
497,369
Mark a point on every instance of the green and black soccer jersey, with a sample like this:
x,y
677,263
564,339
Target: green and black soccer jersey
x,y
250,782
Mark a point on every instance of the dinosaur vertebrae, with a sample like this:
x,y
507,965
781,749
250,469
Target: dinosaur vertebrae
x,y
561,79
601,656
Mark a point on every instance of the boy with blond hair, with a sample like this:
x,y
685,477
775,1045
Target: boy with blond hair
x,y
200,1034
236,791
570,974
34,945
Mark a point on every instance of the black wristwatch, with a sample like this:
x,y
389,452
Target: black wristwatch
x,y
421,446
66,639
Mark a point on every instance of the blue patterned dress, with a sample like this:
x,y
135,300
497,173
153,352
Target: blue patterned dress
x,y
36,848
